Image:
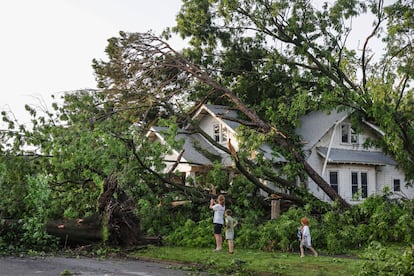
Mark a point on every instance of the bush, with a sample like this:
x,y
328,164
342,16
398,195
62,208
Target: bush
x,y
193,234
34,222
383,262
29,232
377,219
282,232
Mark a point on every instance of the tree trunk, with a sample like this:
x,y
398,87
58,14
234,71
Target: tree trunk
x,y
79,231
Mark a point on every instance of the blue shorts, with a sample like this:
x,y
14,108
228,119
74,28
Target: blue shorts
x,y
217,228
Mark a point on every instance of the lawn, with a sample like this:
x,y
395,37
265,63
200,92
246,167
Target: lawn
x,y
251,262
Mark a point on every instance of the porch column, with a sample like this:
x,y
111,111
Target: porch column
x,y
275,206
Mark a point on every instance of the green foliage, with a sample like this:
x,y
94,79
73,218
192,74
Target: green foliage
x,y
193,234
246,204
286,58
334,232
282,59
216,178
384,262
241,198
29,231
34,222
13,186
376,219
275,235
66,272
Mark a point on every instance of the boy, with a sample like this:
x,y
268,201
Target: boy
x,y
230,224
305,241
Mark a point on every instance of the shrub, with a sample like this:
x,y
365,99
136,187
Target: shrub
x,y
34,222
383,262
29,231
192,234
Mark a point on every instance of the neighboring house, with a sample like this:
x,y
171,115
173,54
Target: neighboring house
x,y
199,154
331,146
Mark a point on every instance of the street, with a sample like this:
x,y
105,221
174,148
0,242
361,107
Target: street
x,y
52,266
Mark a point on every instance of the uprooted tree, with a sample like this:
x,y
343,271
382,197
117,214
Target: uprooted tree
x,y
158,66
273,61
115,222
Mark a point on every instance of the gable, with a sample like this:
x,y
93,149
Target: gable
x,y
313,126
217,112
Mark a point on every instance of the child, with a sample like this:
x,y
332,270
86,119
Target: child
x,y
230,224
218,219
306,238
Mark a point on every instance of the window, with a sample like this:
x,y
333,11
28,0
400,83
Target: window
x,y
216,132
364,184
333,180
220,133
348,134
354,179
397,185
359,184
224,134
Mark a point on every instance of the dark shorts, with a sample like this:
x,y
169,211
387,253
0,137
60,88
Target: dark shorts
x,y
217,228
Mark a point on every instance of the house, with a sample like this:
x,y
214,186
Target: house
x,y
338,153
199,155
331,147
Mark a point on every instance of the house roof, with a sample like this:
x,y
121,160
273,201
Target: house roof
x,y
342,156
191,141
272,155
316,124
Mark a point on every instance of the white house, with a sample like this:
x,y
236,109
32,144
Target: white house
x,y
339,155
331,146
199,154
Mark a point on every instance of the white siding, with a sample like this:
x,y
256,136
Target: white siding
x,y
386,178
378,176
206,124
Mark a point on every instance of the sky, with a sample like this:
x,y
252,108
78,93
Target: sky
x,y
47,46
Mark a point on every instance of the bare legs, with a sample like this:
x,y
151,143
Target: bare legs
x,y
302,251
313,251
219,241
231,246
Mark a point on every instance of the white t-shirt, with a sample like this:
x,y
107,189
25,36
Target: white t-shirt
x,y
218,213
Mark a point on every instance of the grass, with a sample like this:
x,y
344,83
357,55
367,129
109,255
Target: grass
x,y
251,262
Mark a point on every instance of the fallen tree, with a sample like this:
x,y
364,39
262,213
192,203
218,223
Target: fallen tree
x,y
115,223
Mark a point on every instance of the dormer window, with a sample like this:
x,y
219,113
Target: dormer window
x,y
216,132
224,134
220,133
348,134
